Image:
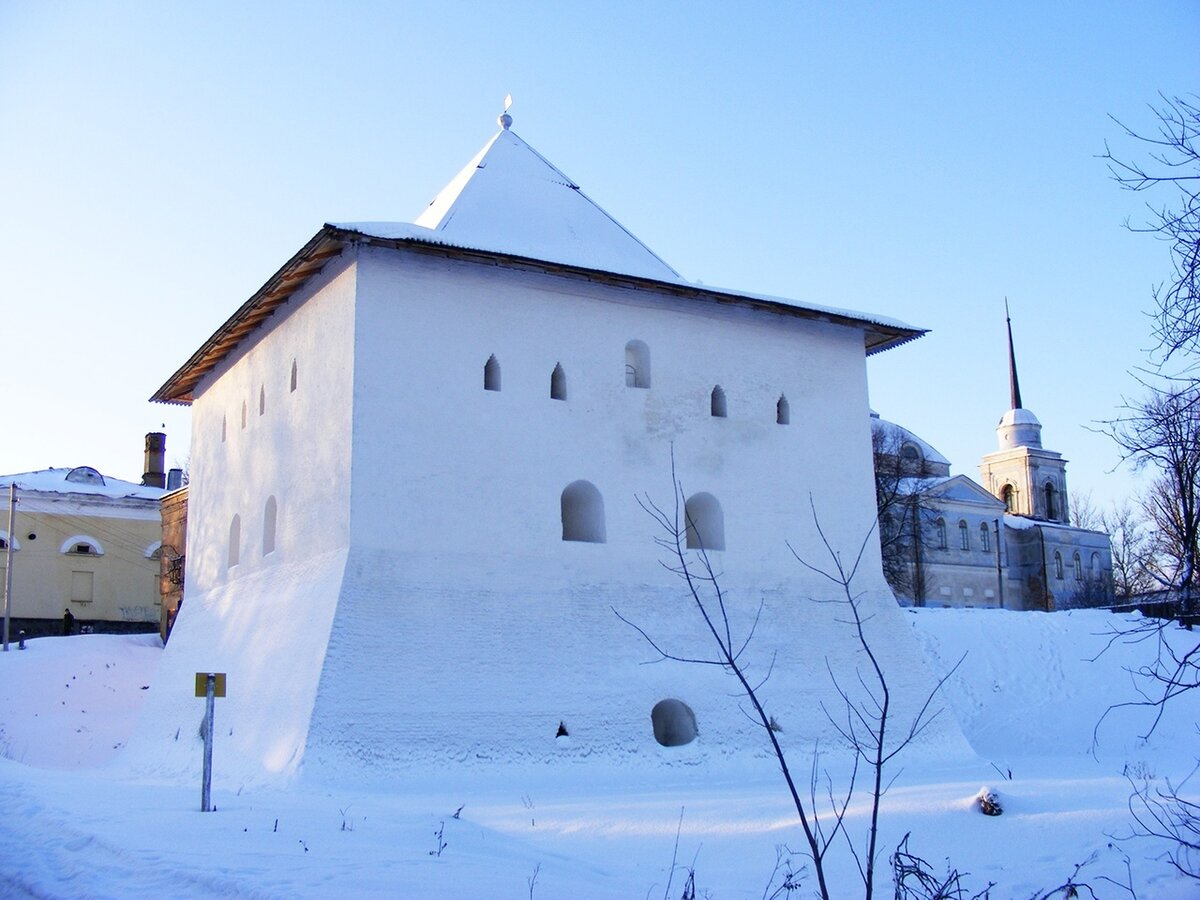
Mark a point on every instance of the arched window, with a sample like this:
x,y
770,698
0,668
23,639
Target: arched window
x,y
1095,565
262,399
491,374
558,383
985,538
269,516
783,413
1009,496
582,513
910,459
16,542
964,536
940,528
82,545
705,522
637,365
1058,567
292,388
235,540
243,414
153,551
1078,568
1051,504
717,402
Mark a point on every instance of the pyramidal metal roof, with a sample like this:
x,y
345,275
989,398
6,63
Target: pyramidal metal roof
x,y
510,203
510,199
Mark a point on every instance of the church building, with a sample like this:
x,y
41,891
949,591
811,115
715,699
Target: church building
x,y
421,457
1008,542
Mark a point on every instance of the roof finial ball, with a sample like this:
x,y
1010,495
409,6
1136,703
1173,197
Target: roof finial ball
x,y
504,119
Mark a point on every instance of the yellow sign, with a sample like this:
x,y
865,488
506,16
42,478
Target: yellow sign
x,y
202,684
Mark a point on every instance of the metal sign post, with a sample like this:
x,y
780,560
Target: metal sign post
x,y
209,685
8,559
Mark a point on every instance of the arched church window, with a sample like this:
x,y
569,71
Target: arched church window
x,y
1095,565
558,383
270,514
783,412
235,540
1051,502
1009,495
1058,566
637,365
940,528
985,538
910,459
491,374
717,402
1078,568
705,522
582,513
964,536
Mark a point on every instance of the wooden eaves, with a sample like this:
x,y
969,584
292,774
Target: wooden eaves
x,y
331,240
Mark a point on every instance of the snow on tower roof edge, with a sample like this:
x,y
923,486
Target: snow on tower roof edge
x,y
508,202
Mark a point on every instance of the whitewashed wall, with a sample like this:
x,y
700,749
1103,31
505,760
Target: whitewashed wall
x,y
467,629
265,621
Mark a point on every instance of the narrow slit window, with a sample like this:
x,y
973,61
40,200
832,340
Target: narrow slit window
x,y
783,412
292,388
262,400
243,414
491,374
270,513
717,403
235,540
558,383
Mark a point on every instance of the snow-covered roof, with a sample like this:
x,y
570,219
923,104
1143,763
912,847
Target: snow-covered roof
x,y
902,435
1019,417
511,199
79,480
507,202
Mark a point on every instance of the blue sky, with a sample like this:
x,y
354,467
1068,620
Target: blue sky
x,y
158,161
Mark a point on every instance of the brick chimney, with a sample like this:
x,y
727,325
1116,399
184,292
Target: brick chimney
x,y
156,454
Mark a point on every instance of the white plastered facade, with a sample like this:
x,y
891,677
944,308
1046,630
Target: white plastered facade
x,y
421,606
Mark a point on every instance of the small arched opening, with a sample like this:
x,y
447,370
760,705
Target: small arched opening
x,y
674,723
705,522
582,513
637,365
783,412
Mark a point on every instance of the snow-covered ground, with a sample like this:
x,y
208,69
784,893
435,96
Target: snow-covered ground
x,y
1029,695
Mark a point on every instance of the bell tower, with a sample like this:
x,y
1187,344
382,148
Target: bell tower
x,y
1030,480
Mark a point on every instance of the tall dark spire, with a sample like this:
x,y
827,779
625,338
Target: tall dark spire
x,y
1014,386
